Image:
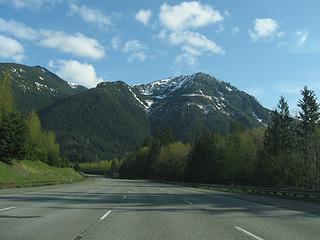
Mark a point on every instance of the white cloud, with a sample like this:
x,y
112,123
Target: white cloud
x,y
265,28
302,37
195,40
76,72
135,50
144,16
31,4
11,49
91,15
193,45
116,42
77,44
188,15
17,29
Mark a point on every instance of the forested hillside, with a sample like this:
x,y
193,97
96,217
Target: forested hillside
x,y
113,118
100,123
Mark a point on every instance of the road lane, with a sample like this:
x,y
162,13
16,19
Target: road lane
x,y
49,215
123,209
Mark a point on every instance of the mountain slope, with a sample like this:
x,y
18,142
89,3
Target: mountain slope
x,y
99,123
36,87
191,104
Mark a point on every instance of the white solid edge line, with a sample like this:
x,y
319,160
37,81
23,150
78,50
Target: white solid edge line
x,y
188,202
8,208
105,215
248,233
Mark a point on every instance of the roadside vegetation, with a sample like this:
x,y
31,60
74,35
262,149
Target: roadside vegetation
x,y
27,173
284,154
103,167
22,138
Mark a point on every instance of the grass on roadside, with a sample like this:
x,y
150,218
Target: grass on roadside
x,y
34,173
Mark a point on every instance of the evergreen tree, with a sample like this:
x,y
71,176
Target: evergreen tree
x,y
280,133
308,137
280,144
13,134
309,113
13,131
203,165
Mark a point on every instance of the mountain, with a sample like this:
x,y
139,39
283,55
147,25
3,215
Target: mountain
x,y
99,123
36,87
190,104
115,118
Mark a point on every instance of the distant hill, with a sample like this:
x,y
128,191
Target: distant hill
x,y
99,123
36,87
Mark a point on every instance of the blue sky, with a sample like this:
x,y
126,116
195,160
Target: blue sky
x,y
265,47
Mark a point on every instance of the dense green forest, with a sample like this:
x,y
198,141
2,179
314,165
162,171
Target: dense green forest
x,y
100,123
21,136
285,154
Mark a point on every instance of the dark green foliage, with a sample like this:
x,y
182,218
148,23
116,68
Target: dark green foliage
x,y
309,137
203,164
13,133
280,146
309,113
100,123
136,164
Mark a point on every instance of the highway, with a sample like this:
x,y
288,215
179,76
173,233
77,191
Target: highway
x,y
101,208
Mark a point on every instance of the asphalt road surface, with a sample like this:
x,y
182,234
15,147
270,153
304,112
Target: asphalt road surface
x,y
101,208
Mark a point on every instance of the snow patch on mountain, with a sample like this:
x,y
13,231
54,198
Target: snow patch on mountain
x,y
256,117
73,85
205,109
40,86
163,87
149,103
135,96
229,89
198,95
